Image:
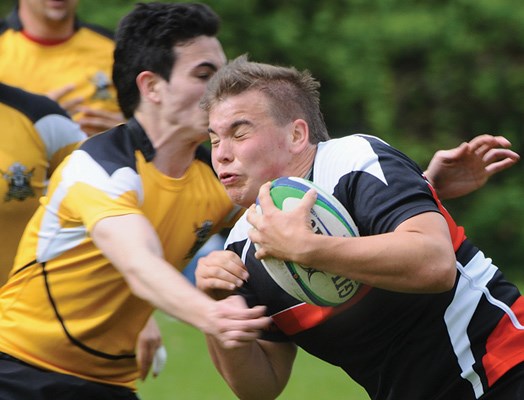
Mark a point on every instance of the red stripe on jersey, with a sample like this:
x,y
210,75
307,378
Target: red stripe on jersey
x,y
505,345
46,42
457,232
305,316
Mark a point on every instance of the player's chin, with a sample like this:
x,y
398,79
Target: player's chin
x,y
235,197
239,197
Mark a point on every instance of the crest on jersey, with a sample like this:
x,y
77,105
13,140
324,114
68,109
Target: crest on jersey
x,y
18,179
102,84
202,234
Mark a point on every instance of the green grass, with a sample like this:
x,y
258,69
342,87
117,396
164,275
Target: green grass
x,y
190,374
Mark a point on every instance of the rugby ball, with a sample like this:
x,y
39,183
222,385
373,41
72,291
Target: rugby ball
x,y
328,217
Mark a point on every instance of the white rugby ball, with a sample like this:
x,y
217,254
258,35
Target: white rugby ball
x,y
328,217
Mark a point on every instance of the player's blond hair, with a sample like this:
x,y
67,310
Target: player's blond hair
x,y
293,94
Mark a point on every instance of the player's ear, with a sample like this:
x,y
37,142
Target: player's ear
x,y
300,134
147,83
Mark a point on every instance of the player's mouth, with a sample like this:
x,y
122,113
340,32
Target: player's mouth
x,y
228,179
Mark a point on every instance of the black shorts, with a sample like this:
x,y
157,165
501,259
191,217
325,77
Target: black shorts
x,y
21,381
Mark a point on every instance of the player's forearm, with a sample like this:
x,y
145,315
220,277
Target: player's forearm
x,y
404,261
166,289
247,371
139,259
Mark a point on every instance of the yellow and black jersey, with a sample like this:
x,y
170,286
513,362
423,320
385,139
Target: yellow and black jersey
x,y
35,136
85,60
87,318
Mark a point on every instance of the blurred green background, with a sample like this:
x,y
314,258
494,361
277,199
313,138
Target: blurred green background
x,y
422,75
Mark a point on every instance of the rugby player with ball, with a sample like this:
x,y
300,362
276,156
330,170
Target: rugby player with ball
x,y
433,318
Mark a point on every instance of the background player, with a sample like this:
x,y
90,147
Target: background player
x,y
37,135
46,49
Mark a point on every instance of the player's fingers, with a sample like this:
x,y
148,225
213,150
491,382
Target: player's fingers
x,y
484,143
498,166
309,199
254,215
264,198
115,117
144,359
60,92
494,155
224,265
97,124
145,365
71,106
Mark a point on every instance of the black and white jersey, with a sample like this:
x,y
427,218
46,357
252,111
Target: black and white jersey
x,y
452,345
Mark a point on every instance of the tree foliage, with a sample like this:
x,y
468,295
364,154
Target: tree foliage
x,y
422,75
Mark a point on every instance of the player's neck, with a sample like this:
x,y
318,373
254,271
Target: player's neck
x,y
303,164
174,154
46,32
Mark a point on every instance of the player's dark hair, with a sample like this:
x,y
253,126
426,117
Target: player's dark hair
x,y
293,94
145,39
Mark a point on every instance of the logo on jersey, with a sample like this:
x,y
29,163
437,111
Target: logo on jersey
x,y
102,84
19,182
202,234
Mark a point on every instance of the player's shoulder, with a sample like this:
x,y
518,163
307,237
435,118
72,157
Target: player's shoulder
x,y
11,21
356,143
112,150
33,106
3,26
96,29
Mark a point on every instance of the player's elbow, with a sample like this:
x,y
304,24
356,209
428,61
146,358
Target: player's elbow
x,y
443,273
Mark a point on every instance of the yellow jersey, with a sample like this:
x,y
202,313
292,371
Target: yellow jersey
x,y
88,320
36,136
85,60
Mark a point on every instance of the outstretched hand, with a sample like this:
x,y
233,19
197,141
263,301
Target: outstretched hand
x,y
466,168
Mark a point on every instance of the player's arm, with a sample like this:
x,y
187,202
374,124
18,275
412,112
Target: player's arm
x,y
417,257
93,121
466,168
132,246
259,370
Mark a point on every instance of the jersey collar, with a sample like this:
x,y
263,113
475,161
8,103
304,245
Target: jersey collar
x,y
140,140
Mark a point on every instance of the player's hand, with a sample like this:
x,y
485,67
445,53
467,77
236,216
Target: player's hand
x,y
234,324
70,105
280,234
466,168
219,273
148,344
94,121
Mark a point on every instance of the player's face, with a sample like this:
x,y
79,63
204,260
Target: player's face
x,y
51,10
196,62
248,147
